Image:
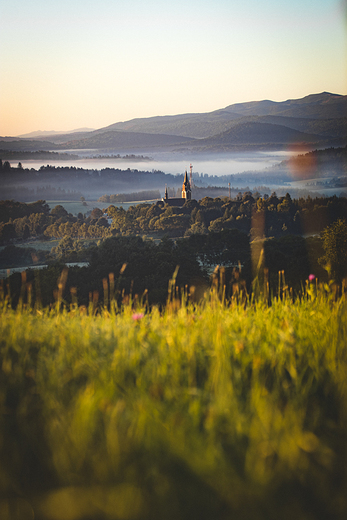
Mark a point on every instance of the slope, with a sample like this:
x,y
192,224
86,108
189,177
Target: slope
x,y
125,140
314,107
259,135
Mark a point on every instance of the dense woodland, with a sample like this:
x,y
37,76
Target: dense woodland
x,y
259,217
250,238
71,182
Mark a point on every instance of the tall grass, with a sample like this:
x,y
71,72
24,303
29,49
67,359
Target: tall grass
x,y
217,410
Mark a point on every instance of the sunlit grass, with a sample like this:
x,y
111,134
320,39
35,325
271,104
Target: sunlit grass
x,y
210,410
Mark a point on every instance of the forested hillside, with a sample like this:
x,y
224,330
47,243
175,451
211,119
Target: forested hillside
x,y
260,217
245,236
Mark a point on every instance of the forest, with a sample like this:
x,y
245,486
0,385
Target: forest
x,y
259,217
72,182
248,238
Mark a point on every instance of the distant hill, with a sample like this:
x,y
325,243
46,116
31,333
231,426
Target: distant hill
x,y
256,133
323,127
314,106
46,133
317,120
128,140
324,106
243,134
187,125
26,145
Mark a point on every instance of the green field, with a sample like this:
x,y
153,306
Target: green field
x,y
75,206
217,410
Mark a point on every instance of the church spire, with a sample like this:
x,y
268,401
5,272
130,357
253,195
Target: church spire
x,y
186,189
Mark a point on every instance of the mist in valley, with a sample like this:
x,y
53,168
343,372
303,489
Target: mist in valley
x,y
94,175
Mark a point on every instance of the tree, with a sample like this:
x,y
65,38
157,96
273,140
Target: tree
x,y
96,214
102,221
7,232
335,247
26,232
65,244
59,211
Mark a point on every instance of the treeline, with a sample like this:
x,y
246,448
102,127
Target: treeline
x,y
37,155
12,176
23,193
259,217
19,221
142,178
74,172
130,197
92,183
67,250
330,161
131,157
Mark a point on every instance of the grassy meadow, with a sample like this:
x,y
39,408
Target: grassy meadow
x,y
213,410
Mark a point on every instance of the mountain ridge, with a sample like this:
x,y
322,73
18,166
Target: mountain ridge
x,y
198,125
257,133
314,106
42,134
315,120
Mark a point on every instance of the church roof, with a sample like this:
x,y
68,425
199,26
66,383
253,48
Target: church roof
x,y
175,201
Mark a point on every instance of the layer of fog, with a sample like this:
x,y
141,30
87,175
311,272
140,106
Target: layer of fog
x,y
175,163
248,170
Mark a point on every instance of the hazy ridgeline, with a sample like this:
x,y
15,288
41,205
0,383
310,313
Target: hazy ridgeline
x,y
223,409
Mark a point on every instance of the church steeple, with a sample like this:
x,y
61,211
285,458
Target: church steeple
x,y
186,189
186,193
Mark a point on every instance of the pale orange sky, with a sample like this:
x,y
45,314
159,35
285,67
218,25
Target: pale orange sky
x,y
72,64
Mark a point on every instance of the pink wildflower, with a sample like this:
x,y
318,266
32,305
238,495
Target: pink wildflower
x,y
311,277
137,316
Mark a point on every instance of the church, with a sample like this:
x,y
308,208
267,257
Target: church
x,y
186,194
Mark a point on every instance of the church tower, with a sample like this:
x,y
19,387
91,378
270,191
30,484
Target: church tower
x,y
186,189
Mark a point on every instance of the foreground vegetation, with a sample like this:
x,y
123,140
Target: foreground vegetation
x,y
222,409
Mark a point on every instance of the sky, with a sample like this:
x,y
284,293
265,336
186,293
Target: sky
x,y
68,64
